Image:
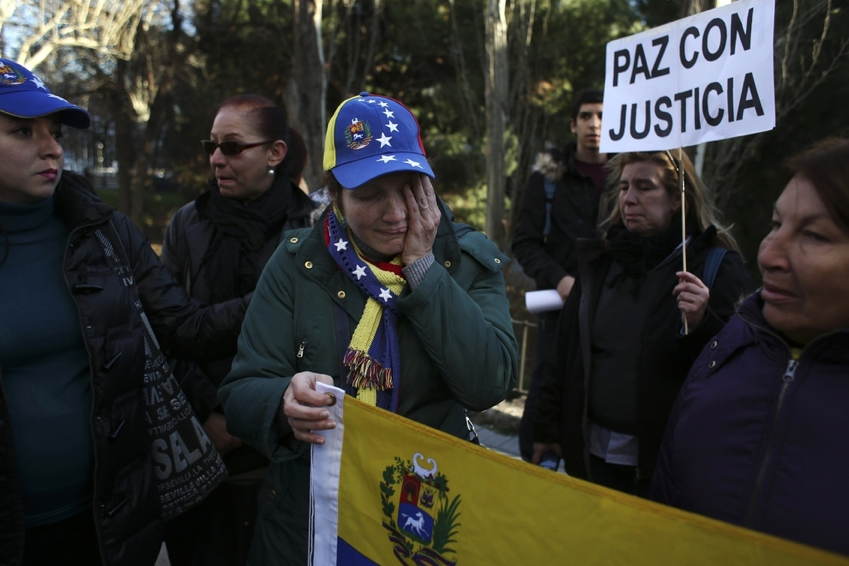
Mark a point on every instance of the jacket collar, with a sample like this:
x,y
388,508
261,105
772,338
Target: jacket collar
x,y
77,203
590,249
446,249
832,346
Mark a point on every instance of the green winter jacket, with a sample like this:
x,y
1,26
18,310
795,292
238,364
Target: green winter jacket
x,y
457,352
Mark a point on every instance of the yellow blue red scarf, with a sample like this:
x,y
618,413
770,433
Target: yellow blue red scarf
x,y
372,357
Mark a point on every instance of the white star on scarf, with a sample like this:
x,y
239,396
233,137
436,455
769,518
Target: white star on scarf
x,y
384,140
393,127
383,104
341,245
359,272
386,158
412,163
385,295
389,113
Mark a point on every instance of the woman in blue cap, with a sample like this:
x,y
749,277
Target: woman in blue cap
x,y
79,480
385,297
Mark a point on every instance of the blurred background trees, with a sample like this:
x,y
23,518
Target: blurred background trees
x,y
490,80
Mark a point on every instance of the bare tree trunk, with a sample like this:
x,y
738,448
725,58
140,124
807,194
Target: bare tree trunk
x,y
125,150
307,89
526,120
159,108
496,93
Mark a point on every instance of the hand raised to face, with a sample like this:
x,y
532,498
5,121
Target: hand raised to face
x,y
423,217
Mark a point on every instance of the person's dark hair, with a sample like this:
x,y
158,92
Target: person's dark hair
x,y
586,96
272,123
826,166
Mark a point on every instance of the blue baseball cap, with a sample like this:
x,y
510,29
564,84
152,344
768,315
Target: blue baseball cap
x,y
369,136
23,95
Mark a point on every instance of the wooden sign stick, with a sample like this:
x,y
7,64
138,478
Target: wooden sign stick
x,y
683,223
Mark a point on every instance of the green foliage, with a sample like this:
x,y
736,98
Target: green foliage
x,y
446,525
430,54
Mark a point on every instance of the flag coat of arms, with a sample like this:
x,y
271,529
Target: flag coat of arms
x,y
387,490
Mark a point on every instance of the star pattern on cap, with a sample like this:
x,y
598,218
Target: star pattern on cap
x,y
371,101
38,82
393,127
341,245
386,158
383,104
359,272
412,163
385,295
388,113
384,140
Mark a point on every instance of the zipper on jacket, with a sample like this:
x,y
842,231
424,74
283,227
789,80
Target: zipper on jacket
x,y
97,506
301,345
786,380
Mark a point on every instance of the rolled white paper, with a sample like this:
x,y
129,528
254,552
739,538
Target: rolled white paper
x,y
543,301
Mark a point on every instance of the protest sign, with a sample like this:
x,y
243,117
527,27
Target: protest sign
x,y
699,79
388,490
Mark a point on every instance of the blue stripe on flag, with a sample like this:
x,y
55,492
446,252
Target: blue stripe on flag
x,y
347,555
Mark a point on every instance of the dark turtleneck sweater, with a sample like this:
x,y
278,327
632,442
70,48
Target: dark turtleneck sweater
x,y
44,366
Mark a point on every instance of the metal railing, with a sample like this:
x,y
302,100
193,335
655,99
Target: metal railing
x,y
523,330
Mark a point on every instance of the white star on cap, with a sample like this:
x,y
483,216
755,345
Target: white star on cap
x,y
386,158
38,82
383,104
341,245
385,295
412,163
389,113
393,127
359,272
371,101
384,140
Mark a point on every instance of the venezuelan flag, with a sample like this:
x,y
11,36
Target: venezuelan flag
x,y
387,490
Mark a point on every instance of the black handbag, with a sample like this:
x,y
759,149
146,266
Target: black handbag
x,y
186,465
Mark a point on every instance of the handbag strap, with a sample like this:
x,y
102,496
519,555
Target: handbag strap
x,y
120,266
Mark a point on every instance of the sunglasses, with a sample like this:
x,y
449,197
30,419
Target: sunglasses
x,y
229,147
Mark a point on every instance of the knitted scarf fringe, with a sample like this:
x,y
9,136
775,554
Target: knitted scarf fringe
x,y
366,373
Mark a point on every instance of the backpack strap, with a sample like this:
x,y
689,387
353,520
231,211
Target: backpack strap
x,y
549,187
712,262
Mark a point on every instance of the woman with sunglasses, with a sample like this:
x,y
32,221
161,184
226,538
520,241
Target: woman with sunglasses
x,y
621,350
216,246
385,296
79,480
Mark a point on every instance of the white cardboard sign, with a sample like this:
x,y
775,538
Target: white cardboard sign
x,y
699,79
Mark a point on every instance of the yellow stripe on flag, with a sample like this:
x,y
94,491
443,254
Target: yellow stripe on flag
x,y
480,507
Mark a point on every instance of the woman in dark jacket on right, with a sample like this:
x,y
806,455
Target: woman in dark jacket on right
x,y
621,350
216,246
758,434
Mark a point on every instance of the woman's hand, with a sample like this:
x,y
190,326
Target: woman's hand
x,y
564,287
541,448
303,406
692,296
216,428
422,219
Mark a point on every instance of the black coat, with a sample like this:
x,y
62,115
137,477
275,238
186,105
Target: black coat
x,y
665,354
574,212
126,505
187,239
